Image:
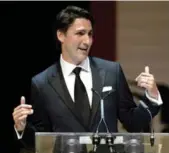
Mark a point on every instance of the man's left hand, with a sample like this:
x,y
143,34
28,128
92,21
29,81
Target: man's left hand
x,y
147,81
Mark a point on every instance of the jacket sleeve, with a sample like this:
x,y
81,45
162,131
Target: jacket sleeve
x,y
134,118
38,121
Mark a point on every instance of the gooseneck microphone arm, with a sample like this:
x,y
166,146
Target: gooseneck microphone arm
x,y
152,137
96,138
102,111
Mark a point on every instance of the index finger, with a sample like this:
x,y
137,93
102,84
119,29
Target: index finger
x,y
147,70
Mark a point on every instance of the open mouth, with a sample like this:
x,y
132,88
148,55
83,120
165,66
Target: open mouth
x,y
83,49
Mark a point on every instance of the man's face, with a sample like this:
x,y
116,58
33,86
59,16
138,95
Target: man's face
x,y
76,42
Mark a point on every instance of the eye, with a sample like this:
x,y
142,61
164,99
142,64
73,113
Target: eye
x,y
81,33
91,34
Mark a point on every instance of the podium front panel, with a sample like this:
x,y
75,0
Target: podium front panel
x,y
85,143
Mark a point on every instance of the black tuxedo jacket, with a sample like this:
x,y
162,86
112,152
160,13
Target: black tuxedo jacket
x,y
54,109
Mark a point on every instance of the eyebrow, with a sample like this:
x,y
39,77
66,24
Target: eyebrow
x,y
83,30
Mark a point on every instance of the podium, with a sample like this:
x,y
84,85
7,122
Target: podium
x,y
101,143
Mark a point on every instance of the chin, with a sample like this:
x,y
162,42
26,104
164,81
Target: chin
x,y
81,58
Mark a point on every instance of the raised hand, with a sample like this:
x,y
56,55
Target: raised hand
x,y
20,114
147,81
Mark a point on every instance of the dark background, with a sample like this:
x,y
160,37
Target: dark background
x,y
27,32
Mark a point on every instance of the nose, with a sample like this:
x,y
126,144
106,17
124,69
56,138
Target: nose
x,y
87,40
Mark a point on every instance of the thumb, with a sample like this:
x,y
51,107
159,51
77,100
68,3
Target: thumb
x,y
147,69
22,100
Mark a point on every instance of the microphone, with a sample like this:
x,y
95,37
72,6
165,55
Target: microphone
x,y
96,142
152,137
110,141
96,138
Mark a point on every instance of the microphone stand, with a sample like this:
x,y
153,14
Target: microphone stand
x,y
96,137
133,146
152,137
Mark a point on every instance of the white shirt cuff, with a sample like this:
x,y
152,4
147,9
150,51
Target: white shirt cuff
x,y
157,101
19,136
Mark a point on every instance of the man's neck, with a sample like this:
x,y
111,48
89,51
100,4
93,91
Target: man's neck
x,y
85,65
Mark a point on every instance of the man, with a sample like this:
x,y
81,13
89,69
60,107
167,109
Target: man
x,y
55,92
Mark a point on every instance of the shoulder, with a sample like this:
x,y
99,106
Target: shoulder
x,y
104,64
42,77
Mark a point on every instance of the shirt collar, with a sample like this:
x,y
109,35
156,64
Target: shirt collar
x,y
67,68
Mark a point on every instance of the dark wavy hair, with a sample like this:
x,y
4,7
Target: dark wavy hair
x,y
67,16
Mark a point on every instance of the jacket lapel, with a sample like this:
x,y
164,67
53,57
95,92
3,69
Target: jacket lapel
x,y
58,84
98,76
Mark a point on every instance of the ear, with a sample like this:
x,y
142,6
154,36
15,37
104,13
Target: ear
x,y
60,35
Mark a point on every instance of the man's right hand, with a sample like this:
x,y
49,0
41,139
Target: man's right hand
x,y
20,114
